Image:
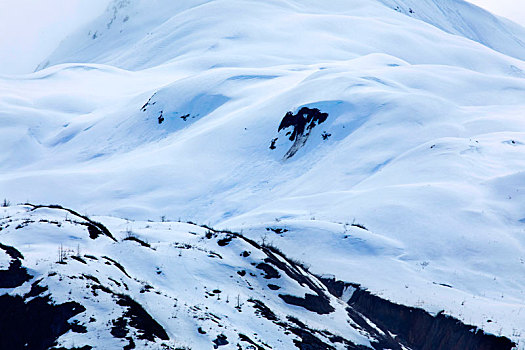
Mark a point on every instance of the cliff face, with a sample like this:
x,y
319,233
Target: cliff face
x,y
414,327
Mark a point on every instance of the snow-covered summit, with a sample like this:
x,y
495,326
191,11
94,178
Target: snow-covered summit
x,y
135,34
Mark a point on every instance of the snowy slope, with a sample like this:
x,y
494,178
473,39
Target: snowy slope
x,y
170,285
198,285
163,108
465,19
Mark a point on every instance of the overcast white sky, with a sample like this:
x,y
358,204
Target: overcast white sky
x,y
31,29
512,9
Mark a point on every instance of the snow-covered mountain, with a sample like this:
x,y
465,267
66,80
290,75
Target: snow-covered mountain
x,y
173,285
381,142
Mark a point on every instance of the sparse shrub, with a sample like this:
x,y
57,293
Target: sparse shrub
x,y
271,247
301,264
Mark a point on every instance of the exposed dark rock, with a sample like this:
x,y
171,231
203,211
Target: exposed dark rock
x,y
12,252
36,289
15,275
263,310
138,240
414,328
246,339
336,287
23,224
273,287
443,284
79,259
130,345
272,144
301,123
360,226
77,327
277,230
36,324
148,103
325,135
119,330
315,303
306,118
221,340
139,319
421,330
92,278
270,271
225,241
292,268
117,264
308,340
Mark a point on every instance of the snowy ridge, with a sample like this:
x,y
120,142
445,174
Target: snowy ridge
x,y
173,285
465,19
412,186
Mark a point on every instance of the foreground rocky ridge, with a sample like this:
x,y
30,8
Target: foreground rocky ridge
x,y
69,282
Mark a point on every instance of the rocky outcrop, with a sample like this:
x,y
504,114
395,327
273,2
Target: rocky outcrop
x,y
414,327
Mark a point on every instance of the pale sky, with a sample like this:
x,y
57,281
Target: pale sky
x,y
31,29
512,9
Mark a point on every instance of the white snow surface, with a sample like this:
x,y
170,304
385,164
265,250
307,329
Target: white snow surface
x,y
426,104
195,287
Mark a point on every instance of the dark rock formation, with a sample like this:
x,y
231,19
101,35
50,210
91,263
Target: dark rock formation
x,y
420,330
140,319
314,303
15,275
415,328
36,324
301,123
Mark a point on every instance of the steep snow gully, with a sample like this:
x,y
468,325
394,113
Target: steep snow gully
x,y
355,168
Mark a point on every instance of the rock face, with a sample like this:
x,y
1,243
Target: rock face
x,y
416,328
35,322
420,330
301,124
15,275
180,285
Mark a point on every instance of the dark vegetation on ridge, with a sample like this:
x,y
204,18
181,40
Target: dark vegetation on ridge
x,y
95,229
